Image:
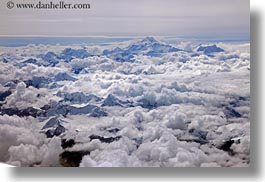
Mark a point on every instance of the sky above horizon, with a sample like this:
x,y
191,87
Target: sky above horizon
x,y
226,19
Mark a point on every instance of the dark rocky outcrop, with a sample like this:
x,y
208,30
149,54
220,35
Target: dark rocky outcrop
x,y
103,139
210,49
197,136
53,122
61,109
231,113
78,97
21,112
72,158
38,82
4,95
112,100
67,143
226,145
55,132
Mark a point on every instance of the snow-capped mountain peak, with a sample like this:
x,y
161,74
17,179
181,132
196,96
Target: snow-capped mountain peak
x,y
209,49
148,46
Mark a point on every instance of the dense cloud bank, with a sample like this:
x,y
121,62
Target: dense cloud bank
x,y
140,103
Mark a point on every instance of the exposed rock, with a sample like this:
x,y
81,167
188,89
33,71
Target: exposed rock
x,y
78,97
147,103
11,84
45,107
111,100
4,60
192,136
53,123
210,49
103,139
4,95
49,133
59,130
72,158
226,145
67,143
91,110
114,130
55,132
22,112
231,113
30,61
38,82
54,85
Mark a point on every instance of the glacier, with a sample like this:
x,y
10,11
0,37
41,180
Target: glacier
x,y
142,102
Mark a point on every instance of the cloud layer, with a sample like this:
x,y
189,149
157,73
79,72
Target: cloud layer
x,y
138,103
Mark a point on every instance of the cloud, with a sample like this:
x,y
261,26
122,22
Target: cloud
x,y
168,109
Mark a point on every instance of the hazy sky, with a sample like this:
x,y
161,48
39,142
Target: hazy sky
x,y
218,19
